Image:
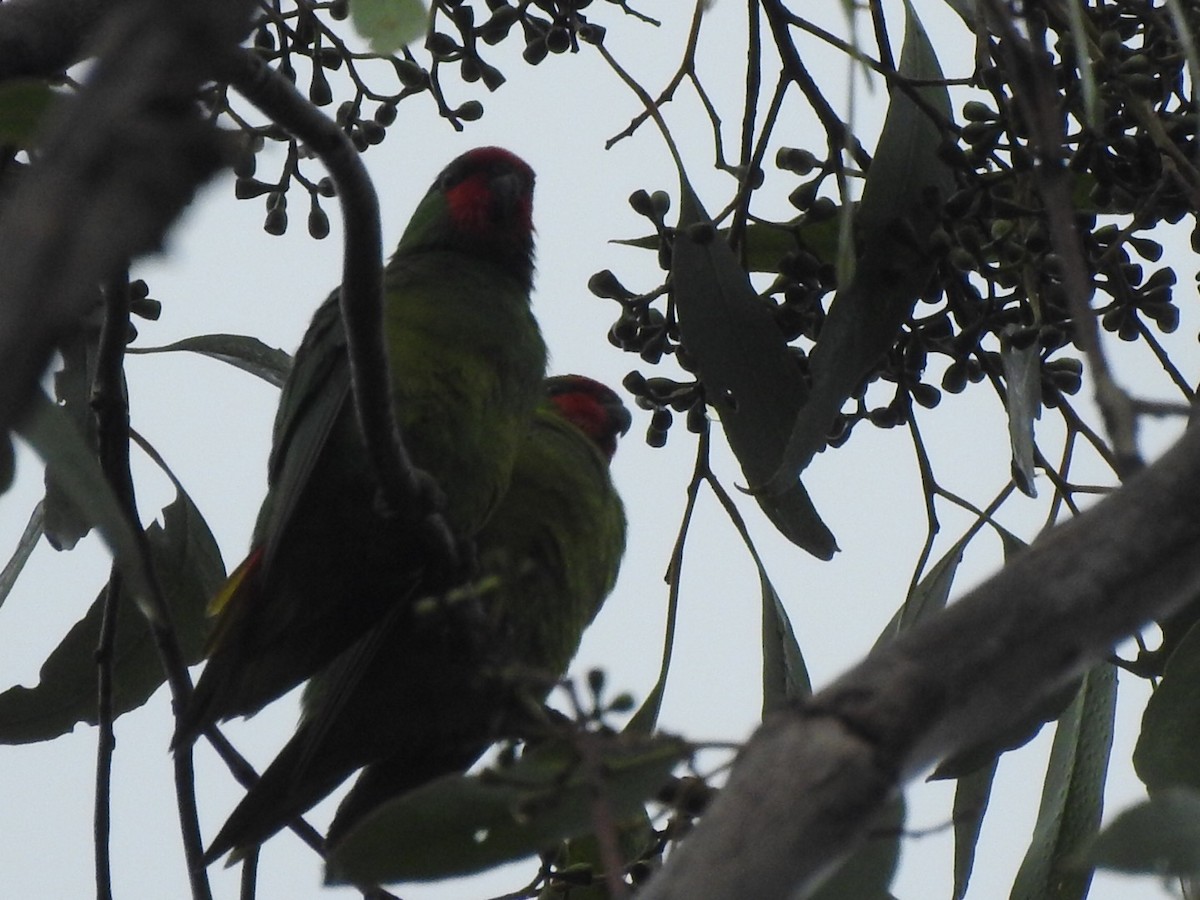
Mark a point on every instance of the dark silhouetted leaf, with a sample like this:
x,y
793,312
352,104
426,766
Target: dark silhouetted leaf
x,y
868,872
764,244
1168,749
785,676
49,431
65,523
928,597
1159,837
462,824
749,376
971,796
189,569
898,212
635,838
247,353
1020,733
1072,795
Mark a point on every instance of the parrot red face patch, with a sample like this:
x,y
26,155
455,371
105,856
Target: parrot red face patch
x,y
490,190
592,408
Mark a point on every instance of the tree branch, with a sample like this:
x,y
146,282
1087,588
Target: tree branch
x,y
117,163
111,410
41,38
805,789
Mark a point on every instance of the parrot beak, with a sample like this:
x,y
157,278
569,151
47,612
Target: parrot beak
x,y
621,417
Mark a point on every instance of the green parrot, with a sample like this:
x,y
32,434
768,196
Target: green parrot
x,y
466,362
424,696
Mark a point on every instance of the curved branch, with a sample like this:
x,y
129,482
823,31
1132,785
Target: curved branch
x,y
361,293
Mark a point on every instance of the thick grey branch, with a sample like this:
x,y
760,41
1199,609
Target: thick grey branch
x,y
809,783
44,37
121,160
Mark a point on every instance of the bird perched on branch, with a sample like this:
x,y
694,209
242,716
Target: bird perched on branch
x,y
466,361
424,696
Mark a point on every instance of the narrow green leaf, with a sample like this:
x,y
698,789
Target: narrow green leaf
x,y
388,25
1168,749
635,839
1158,837
1072,796
25,545
50,433
764,244
785,676
247,353
749,376
928,597
188,565
868,873
461,824
645,719
971,796
899,210
1021,732
970,11
23,103
1011,543
1023,396
65,523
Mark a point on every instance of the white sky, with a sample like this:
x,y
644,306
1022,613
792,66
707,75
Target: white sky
x,y
221,273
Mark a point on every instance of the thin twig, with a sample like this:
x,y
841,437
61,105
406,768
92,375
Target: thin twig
x,y
686,67
838,135
249,880
112,427
653,703
247,778
111,408
649,104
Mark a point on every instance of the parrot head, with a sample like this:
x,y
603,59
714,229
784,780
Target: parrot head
x,y
480,204
593,408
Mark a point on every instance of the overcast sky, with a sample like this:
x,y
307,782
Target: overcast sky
x,y
221,273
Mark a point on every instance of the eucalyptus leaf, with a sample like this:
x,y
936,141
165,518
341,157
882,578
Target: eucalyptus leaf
x,y
243,351
188,566
785,676
765,244
868,872
65,522
899,210
1159,837
1167,753
466,823
749,375
929,596
49,431
1072,795
971,796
